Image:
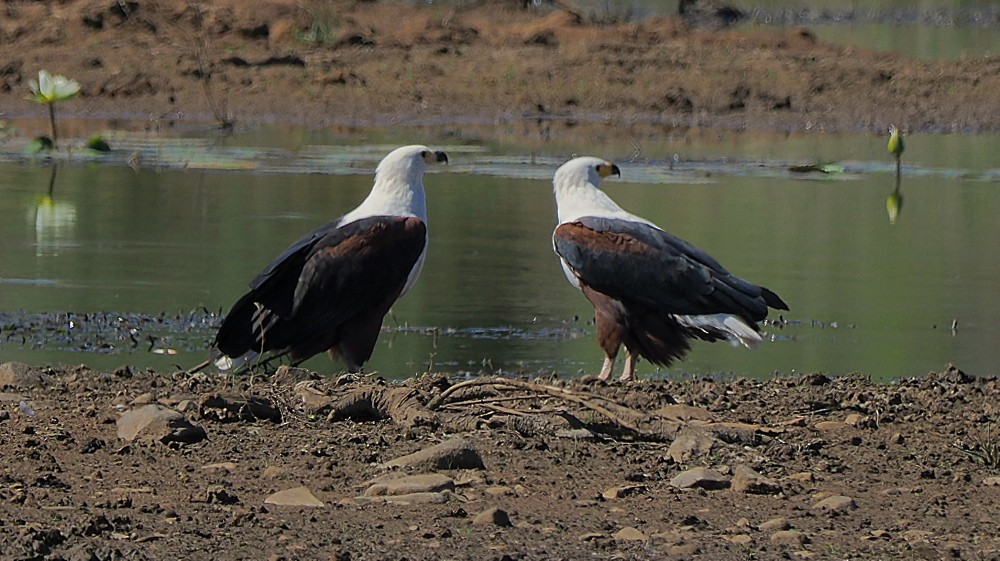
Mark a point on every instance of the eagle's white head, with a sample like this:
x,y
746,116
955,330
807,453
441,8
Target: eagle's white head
x,y
399,184
578,193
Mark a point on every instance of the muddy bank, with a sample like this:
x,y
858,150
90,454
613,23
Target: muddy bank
x,y
145,465
321,63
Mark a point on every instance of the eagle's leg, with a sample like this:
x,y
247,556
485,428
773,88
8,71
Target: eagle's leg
x,y
609,365
631,359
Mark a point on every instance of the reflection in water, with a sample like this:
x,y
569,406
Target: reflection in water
x,y
54,221
894,202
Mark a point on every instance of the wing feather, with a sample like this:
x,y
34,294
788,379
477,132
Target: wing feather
x,y
639,263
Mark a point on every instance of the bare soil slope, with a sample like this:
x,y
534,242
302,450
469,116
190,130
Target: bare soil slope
x,y
330,61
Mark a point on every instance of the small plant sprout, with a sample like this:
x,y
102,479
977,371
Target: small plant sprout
x,y
895,145
50,89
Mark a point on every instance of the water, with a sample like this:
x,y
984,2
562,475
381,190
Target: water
x,y
181,234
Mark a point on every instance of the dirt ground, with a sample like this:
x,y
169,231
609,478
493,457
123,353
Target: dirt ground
x,y
146,465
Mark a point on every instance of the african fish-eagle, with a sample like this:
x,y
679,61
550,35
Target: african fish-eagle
x,y
651,291
331,289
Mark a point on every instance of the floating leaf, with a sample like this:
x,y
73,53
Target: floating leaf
x,y
98,143
826,167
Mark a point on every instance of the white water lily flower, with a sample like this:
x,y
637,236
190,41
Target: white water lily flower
x,y
52,88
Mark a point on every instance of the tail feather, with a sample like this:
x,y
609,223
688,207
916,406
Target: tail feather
x,y
722,326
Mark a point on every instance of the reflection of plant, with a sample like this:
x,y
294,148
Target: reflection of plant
x,y
894,204
50,89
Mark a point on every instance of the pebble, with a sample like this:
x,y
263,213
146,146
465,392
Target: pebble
x,y
700,477
776,524
20,375
829,425
746,480
492,516
296,496
457,453
628,533
690,443
991,481
623,491
422,483
789,537
740,539
156,423
836,504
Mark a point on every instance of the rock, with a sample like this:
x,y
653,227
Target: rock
x,y
854,419
746,480
789,537
152,423
776,524
499,491
423,483
740,539
222,466
235,407
494,517
991,481
621,491
829,425
630,534
144,398
701,477
802,477
836,504
684,550
690,443
296,496
11,397
411,498
20,375
457,453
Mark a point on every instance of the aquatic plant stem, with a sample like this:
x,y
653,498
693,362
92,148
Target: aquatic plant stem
x,y
52,122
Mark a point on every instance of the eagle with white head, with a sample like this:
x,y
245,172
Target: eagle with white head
x,y
651,291
331,289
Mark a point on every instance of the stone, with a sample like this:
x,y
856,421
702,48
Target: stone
x,y
628,533
690,443
156,423
776,524
576,434
684,550
296,496
492,517
621,491
700,477
499,491
410,498
829,425
836,504
802,477
423,483
740,539
991,481
789,537
20,375
144,398
746,480
457,453
854,419
221,466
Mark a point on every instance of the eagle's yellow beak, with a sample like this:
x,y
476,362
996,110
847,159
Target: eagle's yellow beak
x,y
607,168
